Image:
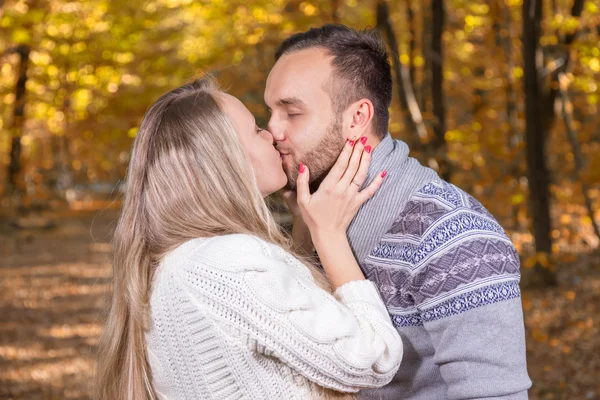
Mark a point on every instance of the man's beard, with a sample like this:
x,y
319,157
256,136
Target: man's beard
x,y
320,158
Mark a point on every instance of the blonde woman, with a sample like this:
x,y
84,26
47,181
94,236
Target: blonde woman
x,y
209,301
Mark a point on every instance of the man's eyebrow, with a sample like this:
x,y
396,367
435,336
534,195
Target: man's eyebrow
x,y
290,101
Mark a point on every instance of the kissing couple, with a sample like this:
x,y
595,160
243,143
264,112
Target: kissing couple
x,y
415,291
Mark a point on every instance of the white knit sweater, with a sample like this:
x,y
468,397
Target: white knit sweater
x,y
234,317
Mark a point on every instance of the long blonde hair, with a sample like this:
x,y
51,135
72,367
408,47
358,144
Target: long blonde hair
x,y
188,177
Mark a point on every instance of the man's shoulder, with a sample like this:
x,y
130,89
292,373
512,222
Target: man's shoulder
x,y
444,243
448,196
434,202
440,219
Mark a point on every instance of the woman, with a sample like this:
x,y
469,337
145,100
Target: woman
x,y
208,301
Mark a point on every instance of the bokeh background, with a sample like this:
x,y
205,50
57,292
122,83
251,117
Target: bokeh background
x,y
502,102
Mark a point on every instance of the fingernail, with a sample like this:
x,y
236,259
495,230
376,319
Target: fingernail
x,y
368,149
351,143
301,168
383,174
363,139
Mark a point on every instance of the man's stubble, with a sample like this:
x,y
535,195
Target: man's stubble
x,y
320,158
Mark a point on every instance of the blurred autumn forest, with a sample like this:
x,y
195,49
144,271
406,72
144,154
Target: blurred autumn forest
x,y
501,97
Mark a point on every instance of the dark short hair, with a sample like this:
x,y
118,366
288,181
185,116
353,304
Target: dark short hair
x,y
360,64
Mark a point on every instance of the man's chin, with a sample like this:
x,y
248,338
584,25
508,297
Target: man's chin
x,y
291,180
313,185
291,184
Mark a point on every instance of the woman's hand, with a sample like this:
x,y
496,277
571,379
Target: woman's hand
x,y
329,211
301,239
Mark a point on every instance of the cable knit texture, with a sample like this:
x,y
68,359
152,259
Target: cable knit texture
x,y
234,317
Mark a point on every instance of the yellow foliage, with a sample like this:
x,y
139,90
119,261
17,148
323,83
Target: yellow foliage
x,y
591,7
565,218
8,98
517,199
308,9
21,36
539,258
517,72
570,295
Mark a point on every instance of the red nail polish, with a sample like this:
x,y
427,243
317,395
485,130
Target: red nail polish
x,y
351,143
383,174
363,139
301,168
368,149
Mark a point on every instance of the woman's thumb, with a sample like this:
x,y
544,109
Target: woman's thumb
x,y
303,192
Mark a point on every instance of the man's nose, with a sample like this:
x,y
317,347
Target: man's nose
x,y
274,126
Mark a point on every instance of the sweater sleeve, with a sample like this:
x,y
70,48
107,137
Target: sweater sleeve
x,y
481,352
344,341
477,329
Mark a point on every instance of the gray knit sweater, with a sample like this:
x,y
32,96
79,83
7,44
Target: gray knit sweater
x,y
449,277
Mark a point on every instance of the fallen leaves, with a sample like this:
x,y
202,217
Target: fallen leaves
x,y
53,290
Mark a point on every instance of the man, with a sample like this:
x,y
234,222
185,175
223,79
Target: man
x,y
446,270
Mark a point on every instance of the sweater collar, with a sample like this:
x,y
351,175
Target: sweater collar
x,y
405,175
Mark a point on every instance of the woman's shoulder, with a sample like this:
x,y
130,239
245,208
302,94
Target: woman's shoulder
x,y
233,253
237,245
243,242
226,252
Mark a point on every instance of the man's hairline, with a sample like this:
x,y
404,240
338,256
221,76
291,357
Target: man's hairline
x,y
328,85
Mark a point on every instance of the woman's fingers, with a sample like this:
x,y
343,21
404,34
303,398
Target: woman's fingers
x,y
302,189
336,172
370,190
363,169
353,164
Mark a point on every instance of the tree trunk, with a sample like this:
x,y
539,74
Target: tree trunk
x,y
555,9
425,88
405,89
437,92
564,43
511,97
514,137
410,16
335,11
567,111
535,138
14,167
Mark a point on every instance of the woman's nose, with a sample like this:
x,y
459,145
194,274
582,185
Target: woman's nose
x,y
269,136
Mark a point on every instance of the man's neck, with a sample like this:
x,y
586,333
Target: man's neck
x,y
373,141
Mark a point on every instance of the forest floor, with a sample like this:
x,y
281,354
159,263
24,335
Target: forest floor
x,y
54,282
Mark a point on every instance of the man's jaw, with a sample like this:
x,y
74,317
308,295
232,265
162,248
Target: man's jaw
x,y
315,181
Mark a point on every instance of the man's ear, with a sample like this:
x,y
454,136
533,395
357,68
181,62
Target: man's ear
x,y
358,117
